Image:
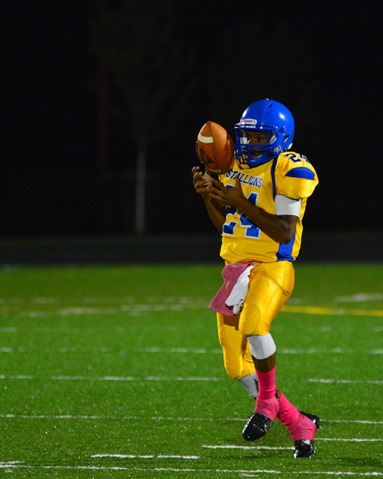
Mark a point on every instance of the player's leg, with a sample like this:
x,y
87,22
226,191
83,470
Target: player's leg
x,y
267,404
270,287
237,358
270,402
249,381
302,426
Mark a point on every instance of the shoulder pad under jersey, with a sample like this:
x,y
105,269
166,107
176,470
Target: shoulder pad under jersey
x,y
296,178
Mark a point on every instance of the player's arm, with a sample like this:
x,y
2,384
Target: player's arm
x,y
202,184
280,227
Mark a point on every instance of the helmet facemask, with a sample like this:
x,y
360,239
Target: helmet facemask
x,y
255,146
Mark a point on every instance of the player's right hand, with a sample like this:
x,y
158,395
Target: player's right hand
x,y
201,181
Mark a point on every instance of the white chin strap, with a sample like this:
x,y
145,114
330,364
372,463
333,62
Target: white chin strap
x,y
262,347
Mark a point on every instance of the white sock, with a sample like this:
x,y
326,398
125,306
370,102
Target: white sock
x,y
250,383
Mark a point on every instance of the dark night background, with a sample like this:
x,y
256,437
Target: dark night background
x,y
73,74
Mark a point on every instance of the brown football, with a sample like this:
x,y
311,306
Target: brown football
x,y
215,148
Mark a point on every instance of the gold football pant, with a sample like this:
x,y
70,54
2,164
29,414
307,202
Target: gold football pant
x,y
270,286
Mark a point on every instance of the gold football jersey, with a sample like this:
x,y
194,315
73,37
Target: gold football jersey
x,y
290,175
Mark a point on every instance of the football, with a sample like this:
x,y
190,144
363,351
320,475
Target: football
x,y
215,148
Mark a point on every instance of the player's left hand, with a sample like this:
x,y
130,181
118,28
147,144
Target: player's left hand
x,y
227,196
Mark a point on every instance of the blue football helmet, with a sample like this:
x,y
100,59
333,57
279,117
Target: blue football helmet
x,y
268,116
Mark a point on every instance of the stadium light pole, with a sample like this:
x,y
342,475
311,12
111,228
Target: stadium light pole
x,y
140,209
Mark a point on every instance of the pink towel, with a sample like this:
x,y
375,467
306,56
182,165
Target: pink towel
x,y
231,296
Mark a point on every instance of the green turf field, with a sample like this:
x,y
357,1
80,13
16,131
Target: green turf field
x,y
116,372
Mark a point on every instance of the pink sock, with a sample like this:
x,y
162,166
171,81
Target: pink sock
x,y
267,403
288,413
300,426
266,384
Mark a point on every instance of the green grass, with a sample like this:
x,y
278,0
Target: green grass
x,y
103,361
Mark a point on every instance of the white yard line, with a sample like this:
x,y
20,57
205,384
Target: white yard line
x,y
248,472
342,381
145,456
317,439
165,418
249,448
116,378
349,439
183,350
131,378
175,378
359,298
130,305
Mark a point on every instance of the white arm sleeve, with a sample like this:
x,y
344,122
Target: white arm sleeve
x,y
287,206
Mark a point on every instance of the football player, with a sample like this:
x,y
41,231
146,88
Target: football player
x,y
258,207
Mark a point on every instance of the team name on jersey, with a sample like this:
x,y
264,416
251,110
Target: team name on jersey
x,y
245,178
